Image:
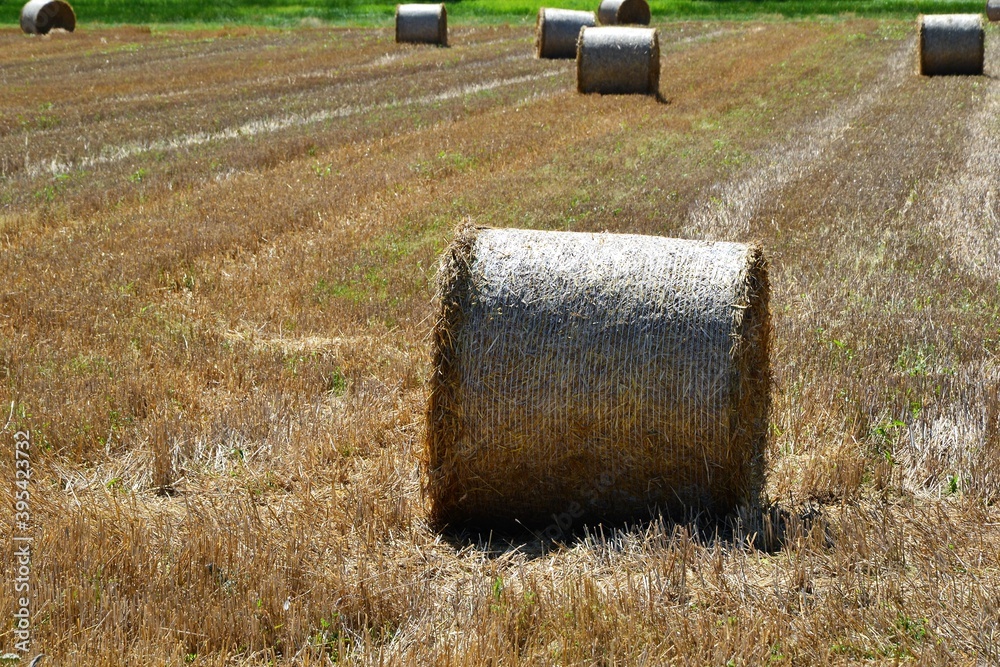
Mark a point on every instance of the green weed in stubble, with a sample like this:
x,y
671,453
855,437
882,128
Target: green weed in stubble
x,y
138,175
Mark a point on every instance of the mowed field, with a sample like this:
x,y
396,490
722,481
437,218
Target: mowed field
x,y
218,260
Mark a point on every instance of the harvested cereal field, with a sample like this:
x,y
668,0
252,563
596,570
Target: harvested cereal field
x,y
218,267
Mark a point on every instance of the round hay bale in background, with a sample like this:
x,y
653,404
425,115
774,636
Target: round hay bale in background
x,y
951,43
596,376
624,12
993,10
558,30
422,24
38,17
618,60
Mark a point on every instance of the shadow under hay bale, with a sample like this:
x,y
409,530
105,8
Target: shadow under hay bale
x,y
993,10
38,17
950,44
422,24
624,12
618,61
557,31
596,377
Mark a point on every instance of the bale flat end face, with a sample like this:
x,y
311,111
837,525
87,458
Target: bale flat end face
x,y
653,83
600,376
540,33
950,44
751,383
445,423
39,17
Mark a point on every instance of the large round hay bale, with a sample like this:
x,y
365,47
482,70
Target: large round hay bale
x,y
618,60
40,16
993,10
557,31
596,377
951,43
422,24
624,12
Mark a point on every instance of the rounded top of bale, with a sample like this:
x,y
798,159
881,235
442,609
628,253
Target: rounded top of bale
x,y
969,20
416,8
41,16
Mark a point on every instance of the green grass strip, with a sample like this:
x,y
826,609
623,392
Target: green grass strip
x,y
291,12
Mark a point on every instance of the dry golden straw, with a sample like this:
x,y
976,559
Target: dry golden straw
x,y
558,30
422,24
993,10
600,376
951,43
617,60
38,17
624,12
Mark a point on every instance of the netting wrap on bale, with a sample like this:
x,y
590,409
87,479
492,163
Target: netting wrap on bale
x,y
558,30
618,60
993,10
624,12
951,44
38,17
422,24
596,375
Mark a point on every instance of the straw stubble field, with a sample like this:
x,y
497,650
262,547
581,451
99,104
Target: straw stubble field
x,y
218,261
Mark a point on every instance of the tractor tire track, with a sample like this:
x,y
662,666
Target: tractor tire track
x,y
967,205
725,212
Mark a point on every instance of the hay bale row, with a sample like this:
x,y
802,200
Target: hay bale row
x,y
422,24
557,31
616,60
993,10
951,44
595,375
624,12
38,17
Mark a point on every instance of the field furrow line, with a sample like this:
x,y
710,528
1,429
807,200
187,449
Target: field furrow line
x,y
667,45
262,98
108,155
955,441
372,70
967,205
725,212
